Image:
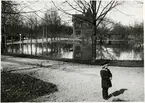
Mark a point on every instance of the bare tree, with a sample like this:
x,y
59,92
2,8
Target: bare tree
x,y
12,19
93,12
140,2
7,21
32,24
53,22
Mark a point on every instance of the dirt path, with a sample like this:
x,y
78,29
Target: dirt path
x,y
78,83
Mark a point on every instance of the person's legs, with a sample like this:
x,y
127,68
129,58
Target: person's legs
x,y
105,93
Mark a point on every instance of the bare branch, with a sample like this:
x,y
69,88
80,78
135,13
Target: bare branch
x,y
123,12
71,14
89,5
21,12
26,6
74,7
83,9
98,7
102,12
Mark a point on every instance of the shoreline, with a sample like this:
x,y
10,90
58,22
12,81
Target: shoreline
x,y
120,63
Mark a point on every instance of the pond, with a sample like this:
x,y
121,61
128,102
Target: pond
x,y
80,50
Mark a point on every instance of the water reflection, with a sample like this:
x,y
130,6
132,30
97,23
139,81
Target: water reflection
x,y
80,50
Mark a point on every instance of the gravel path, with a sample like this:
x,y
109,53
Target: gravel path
x,y
78,83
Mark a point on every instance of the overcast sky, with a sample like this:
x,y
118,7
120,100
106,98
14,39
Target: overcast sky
x,y
126,14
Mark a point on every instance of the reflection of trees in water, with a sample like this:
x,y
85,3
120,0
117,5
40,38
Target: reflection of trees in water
x,y
55,49
119,48
58,48
139,50
66,47
125,47
16,48
103,51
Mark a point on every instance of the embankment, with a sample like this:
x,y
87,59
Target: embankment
x,y
122,63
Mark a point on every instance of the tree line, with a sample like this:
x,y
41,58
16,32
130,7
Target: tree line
x,y
132,32
15,22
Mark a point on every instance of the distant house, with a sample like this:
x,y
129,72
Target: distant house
x,y
81,28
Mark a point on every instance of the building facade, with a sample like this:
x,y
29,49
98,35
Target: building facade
x,y
81,28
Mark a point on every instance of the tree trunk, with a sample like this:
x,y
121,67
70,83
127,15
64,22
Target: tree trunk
x,y
42,41
51,37
101,52
94,42
101,41
22,45
109,42
36,46
31,41
27,42
5,41
46,41
4,29
12,42
94,32
93,47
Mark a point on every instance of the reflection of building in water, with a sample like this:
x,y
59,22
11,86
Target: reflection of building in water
x,y
82,51
77,52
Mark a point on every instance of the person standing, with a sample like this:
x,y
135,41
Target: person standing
x,y
106,77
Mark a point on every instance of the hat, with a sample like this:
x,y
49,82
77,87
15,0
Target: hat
x,y
104,64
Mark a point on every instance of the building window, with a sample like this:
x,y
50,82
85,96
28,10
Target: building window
x,y
78,25
78,32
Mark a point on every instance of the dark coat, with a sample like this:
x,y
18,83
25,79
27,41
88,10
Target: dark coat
x,y
105,75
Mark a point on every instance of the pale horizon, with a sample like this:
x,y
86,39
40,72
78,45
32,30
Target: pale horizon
x,y
127,14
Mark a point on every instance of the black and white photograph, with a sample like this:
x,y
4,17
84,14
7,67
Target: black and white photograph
x,y
72,51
